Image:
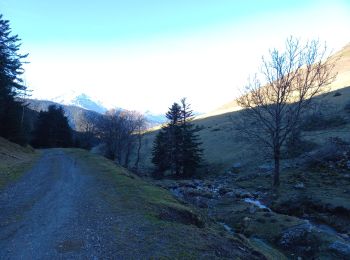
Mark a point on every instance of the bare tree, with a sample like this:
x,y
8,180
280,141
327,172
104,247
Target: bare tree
x,y
140,130
134,123
275,99
119,131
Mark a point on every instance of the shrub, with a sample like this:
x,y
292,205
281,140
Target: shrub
x,y
318,121
296,146
347,107
334,150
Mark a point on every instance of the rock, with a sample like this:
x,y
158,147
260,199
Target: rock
x,y
340,248
266,168
224,190
236,167
252,209
188,183
243,194
299,185
295,235
348,164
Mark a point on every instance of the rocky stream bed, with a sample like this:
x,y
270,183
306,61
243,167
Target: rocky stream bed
x,y
294,228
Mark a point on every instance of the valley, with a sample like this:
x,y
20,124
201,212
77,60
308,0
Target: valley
x,y
105,175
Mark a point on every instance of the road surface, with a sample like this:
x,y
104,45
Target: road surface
x,y
55,210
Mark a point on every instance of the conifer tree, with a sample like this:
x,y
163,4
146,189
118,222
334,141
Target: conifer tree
x,y
191,153
177,147
160,154
10,83
174,138
52,129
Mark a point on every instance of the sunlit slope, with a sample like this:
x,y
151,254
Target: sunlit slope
x,y
224,145
342,68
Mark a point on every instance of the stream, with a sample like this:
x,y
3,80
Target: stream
x,y
211,195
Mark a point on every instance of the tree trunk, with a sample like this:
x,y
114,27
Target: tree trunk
x,y
276,176
127,155
138,152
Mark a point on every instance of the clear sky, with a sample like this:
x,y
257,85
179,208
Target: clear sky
x,y
146,54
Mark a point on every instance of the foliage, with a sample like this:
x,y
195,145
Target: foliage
x,y
177,147
52,129
11,110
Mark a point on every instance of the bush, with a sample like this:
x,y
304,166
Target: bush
x,y
334,150
296,146
318,121
347,107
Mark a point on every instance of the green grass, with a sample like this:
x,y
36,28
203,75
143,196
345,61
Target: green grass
x,y
14,161
172,229
132,191
12,173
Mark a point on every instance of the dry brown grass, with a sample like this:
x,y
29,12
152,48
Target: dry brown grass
x,y
224,146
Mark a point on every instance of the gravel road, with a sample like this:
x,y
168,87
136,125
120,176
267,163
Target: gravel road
x,y
65,208
55,212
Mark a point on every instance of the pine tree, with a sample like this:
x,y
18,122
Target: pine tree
x,y
160,154
52,129
191,153
10,83
177,147
174,138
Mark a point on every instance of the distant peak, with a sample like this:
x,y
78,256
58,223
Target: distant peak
x,y
80,99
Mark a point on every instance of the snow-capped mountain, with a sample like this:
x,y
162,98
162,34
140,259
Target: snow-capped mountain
x,y
155,119
80,100
84,101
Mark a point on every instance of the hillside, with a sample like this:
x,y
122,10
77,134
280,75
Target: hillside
x,y
77,116
306,217
224,146
14,160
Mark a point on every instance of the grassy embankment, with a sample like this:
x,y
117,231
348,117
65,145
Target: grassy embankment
x,y
158,223
14,161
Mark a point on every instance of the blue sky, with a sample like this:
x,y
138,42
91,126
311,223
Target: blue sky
x,y
204,48
42,21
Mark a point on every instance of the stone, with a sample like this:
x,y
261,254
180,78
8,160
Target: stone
x,y
299,185
340,248
235,167
266,168
348,164
295,235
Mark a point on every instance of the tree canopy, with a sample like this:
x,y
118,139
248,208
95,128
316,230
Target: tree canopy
x,y
177,147
52,129
11,84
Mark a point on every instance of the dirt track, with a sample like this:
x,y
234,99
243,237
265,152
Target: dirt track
x,y
55,211
66,207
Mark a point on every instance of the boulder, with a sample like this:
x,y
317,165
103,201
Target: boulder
x,y
235,168
299,186
266,168
295,235
341,249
